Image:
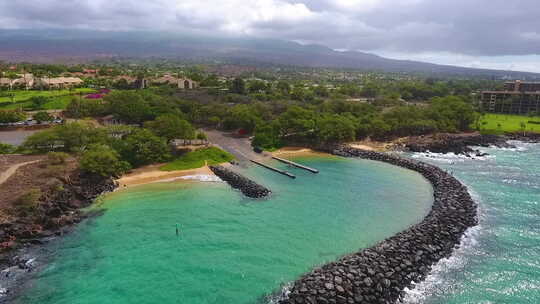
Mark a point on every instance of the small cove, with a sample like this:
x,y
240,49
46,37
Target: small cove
x,y
231,249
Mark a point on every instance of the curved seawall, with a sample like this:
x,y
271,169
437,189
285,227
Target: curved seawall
x,y
380,274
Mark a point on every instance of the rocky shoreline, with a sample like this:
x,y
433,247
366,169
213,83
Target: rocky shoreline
x,y
454,143
58,211
381,273
248,187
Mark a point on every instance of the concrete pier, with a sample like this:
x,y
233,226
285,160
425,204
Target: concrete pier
x,y
297,165
274,169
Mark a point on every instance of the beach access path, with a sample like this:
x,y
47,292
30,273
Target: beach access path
x,y
11,170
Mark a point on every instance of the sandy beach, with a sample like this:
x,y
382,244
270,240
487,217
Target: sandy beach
x,y
371,145
152,174
297,151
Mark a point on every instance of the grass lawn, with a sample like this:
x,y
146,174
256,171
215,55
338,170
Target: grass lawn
x,y
499,123
59,99
198,158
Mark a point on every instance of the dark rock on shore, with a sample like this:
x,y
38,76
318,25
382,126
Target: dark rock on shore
x,y
454,143
58,209
248,187
525,137
380,274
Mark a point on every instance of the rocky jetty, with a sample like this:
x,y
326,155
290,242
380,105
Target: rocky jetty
x,y
248,187
380,274
454,143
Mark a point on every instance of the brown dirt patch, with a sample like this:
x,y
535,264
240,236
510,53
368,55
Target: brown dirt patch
x,y
40,175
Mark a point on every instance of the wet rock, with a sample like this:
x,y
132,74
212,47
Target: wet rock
x,y
248,187
380,274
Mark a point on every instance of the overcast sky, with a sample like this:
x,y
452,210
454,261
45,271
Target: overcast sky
x,y
502,34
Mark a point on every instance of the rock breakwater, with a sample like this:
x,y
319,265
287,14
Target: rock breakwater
x,y
248,187
381,273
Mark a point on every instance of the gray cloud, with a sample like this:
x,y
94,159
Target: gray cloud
x,y
468,27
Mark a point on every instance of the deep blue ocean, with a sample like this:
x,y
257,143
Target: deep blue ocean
x,y
499,261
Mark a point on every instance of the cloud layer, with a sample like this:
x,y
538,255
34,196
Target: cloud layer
x,y
466,27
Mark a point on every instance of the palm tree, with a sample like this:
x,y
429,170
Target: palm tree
x,y
38,76
12,76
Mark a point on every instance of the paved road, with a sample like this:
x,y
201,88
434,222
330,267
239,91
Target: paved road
x,y
238,146
15,137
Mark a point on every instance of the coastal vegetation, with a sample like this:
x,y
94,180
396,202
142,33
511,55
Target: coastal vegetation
x,y
198,158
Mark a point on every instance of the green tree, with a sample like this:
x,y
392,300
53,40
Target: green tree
x,y
12,76
297,122
38,101
284,87
241,117
7,148
142,147
43,117
238,86
257,86
71,137
11,116
267,136
171,127
129,107
103,160
335,129
321,91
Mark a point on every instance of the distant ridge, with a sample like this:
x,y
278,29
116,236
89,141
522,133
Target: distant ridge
x,y
73,46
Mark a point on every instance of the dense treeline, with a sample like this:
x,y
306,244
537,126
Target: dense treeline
x,y
276,113
275,123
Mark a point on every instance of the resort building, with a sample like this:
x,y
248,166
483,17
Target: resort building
x,y
181,83
25,81
517,98
58,82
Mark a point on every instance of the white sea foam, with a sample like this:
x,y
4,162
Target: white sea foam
x,y
449,157
456,262
435,280
282,295
202,178
197,177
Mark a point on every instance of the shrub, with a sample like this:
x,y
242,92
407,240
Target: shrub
x,y
10,116
198,158
7,148
142,148
43,116
28,202
57,158
103,160
38,101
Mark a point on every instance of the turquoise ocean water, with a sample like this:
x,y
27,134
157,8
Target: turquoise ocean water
x,y
500,259
230,249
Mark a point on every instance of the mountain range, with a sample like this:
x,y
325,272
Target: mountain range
x,y
73,46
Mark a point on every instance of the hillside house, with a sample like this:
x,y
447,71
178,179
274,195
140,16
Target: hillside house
x,y
58,82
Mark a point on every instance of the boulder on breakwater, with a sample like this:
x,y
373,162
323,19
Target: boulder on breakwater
x,y
454,143
381,273
248,187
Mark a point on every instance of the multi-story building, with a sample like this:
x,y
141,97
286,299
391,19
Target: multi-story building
x,y
517,98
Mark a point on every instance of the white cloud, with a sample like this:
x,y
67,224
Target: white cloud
x,y
237,16
474,28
